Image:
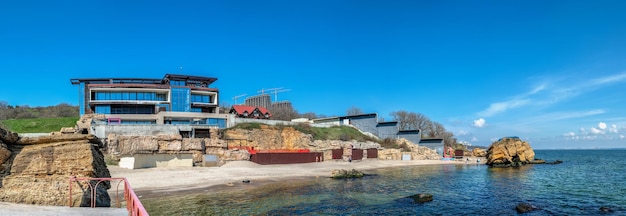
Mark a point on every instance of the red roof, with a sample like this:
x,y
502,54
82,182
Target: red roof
x,y
264,111
240,109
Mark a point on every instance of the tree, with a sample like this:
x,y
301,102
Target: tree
x,y
284,113
429,129
410,120
354,111
309,115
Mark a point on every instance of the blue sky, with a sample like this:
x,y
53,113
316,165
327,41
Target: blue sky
x,y
550,72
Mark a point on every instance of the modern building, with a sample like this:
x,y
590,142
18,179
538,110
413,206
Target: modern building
x,y
369,123
174,99
262,100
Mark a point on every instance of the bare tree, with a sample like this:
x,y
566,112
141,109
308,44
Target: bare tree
x,y
309,115
411,120
284,113
354,111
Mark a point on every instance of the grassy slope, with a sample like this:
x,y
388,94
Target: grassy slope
x,y
39,125
332,133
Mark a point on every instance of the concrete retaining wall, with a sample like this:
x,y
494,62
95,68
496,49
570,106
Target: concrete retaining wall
x,y
156,160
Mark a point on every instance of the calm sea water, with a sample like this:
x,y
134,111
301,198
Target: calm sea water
x,y
584,182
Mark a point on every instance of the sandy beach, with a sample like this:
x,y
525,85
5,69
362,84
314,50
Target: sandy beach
x,y
156,182
151,182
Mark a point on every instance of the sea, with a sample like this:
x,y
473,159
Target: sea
x,y
586,182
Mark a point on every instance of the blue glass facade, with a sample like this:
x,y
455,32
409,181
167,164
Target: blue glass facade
x,y
200,98
221,123
129,95
181,99
152,98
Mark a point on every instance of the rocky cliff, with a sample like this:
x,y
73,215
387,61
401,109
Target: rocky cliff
x,y
288,138
37,170
509,151
478,152
121,145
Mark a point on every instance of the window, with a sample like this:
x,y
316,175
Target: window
x,y
132,109
177,83
200,98
131,95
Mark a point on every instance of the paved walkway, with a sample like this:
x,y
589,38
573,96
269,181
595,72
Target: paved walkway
x,y
23,209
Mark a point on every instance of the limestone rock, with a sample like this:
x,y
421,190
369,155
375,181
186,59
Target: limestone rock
x,y
5,153
40,172
84,123
193,144
509,151
341,174
524,207
56,138
421,198
478,152
68,130
8,137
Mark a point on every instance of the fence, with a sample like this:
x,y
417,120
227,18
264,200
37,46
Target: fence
x,y
133,205
275,122
287,157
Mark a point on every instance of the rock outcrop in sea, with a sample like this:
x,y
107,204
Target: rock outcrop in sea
x,y
509,152
342,174
37,170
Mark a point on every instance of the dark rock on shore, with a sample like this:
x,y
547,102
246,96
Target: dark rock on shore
x,y
421,198
605,209
342,174
524,207
555,162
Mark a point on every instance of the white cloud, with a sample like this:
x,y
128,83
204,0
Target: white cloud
x,y
621,136
500,107
602,125
594,130
479,123
474,139
465,143
613,129
463,133
494,139
609,79
570,134
569,115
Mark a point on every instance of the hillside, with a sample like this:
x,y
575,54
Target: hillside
x,y
38,125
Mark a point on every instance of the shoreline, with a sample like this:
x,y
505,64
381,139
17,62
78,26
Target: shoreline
x,y
166,181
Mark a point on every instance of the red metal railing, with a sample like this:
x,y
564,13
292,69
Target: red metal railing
x,y
133,205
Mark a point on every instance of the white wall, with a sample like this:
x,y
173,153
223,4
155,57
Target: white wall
x,y
138,161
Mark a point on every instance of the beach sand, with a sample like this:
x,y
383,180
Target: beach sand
x,y
163,181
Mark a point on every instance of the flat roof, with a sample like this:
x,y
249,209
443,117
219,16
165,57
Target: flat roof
x,y
431,140
208,80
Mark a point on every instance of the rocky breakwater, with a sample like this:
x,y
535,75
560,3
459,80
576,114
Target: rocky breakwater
x,y
509,152
37,170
